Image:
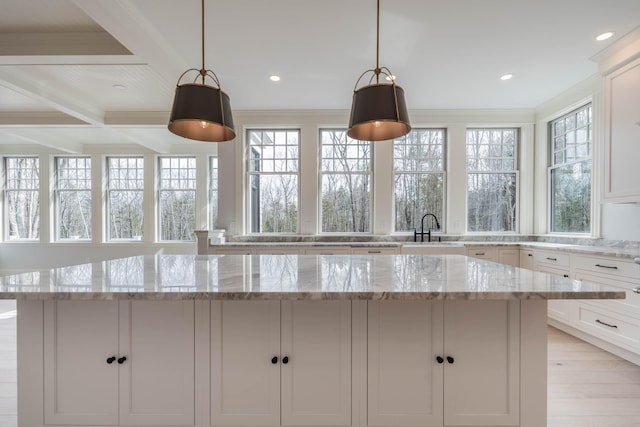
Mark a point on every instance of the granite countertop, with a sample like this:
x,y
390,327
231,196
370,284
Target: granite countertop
x,y
362,277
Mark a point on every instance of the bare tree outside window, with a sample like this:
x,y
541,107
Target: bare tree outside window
x,y
73,198
22,197
273,177
418,163
570,172
177,195
125,195
492,180
345,172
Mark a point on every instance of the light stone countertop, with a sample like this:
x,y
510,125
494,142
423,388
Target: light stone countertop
x,y
287,277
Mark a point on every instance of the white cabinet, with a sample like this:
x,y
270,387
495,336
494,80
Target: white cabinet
x,y
622,133
503,255
526,259
455,371
558,264
281,363
110,362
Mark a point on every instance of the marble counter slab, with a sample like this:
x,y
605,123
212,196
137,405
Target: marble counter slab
x,y
286,277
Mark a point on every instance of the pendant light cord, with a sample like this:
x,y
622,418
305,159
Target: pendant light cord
x,y
377,70
203,71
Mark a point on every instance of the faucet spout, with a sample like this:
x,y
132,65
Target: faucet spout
x,y
428,232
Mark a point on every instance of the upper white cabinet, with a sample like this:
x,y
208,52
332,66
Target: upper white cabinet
x,y
620,67
453,370
126,363
281,363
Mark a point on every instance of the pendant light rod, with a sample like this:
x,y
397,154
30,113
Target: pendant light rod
x,y
377,70
203,71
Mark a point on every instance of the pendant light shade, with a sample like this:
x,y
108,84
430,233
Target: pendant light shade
x,y
200,111
379,111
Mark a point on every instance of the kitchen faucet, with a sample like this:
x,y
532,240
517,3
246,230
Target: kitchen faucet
x,y
422,232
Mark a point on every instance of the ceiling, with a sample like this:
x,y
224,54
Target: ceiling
x,y
76,72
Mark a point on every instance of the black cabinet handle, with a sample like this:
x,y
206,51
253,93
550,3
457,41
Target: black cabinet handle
x,y
450,359
606,324
121,360
111,359
529,254
613,267
565,275
439,359
479,253
374,252
274,359
552,259
285,360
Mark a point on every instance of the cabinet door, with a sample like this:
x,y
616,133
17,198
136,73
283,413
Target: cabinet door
x,y
509,256
404,380
482,385
316,381
80,387
526,259
157,378
245,384
558,308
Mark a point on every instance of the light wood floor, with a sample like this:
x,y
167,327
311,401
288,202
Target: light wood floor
x,y
588,387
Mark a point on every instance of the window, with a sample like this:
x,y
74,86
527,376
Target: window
x,y
125,195
273,177
22,197
177,196
213,193
345,172
73,198
418,163
570,172
492,180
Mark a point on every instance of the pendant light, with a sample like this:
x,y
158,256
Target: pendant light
x,y
200,111
379,111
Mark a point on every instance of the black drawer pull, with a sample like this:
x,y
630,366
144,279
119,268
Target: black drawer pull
x,y
439,359
450,359
606,324
529,254
479,253
565,275
636,289
552,259
613,267
285,360
111,359
374,252
121,360
274,359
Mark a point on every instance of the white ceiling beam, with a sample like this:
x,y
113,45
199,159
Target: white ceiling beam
x,y
46,139
160,147
36,118
20,82
70,60
70,43
124,21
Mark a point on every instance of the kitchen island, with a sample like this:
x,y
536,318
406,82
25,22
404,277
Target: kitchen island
x,y
297,340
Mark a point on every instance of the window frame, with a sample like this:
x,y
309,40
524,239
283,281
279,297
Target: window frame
x,y
56,199
515,172
369,173
250,221
5,198
160,190
552,167
107,200
443,172
213,186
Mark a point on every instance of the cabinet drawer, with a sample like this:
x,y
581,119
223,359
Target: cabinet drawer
x,y
374,251
632,298
608,266
552,258
327,250
481,252
611,326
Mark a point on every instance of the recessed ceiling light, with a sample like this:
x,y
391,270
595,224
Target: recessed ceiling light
x,y
506,77
119,86
604,36
274,78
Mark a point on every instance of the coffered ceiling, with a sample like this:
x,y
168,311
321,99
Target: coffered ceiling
x,y
103,71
